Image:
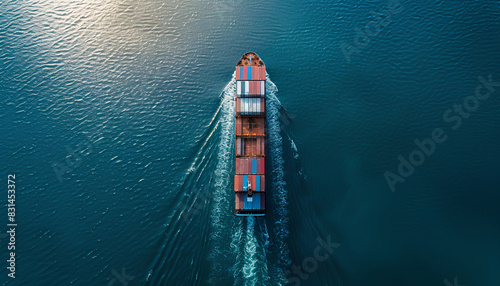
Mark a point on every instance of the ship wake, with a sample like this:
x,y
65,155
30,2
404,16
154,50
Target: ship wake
x,y
243,246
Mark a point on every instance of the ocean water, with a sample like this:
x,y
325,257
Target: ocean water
x,y
117,121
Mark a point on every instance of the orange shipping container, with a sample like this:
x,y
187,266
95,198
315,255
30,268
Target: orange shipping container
x,y
255,73
262,73
236,182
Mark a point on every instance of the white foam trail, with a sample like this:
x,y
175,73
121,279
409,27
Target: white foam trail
x,y
192,167
221,192
236,241
223,170
249,268
278,184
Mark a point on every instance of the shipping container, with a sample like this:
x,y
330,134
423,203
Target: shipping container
x,y
244,73
262,165
250,146
250,106
250,132
250,126
253,202
239,200
255,73
252,165
262,73
250,88
244,181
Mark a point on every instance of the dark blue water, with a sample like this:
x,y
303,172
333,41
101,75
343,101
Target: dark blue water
x,y
116,118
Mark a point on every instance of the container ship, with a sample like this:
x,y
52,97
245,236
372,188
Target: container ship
x,y
250,132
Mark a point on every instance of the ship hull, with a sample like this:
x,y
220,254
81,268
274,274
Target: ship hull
x,y
251,137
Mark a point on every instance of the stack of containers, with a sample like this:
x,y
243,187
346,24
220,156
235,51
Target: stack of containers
x,y
249,179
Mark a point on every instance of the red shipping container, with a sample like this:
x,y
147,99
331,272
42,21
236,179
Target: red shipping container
x,y
262,147
257,166
263,183
262,105
237,73
239,166
244,75
238,125
242,202
249,148
239,200
262,73
238,105
262,163
255,89
236,182
249,165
